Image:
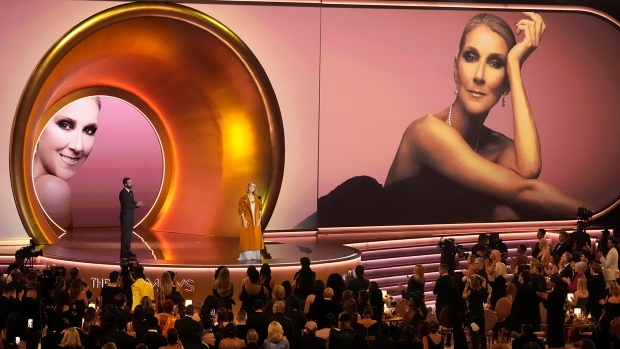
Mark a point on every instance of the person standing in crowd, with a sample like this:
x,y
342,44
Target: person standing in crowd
x,y
188,328
304,280
416,282
525,307
111,289
540,234
309,340
480,249
610,261
128,206
596,291
476,295
359,282
563,246
141,287
554,303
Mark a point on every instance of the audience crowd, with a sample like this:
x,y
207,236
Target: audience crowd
x,y
305,312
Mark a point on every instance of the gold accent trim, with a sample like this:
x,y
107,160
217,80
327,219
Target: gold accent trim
x,y
204,91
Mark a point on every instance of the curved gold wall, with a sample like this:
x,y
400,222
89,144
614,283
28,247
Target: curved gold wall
x,y
200,86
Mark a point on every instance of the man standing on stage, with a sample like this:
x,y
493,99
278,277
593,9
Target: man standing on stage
x,y
128,205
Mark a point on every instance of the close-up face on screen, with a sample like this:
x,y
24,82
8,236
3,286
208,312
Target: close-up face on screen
x,y
85,151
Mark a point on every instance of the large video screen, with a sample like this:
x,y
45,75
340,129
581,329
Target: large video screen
x,y
416,129
82,156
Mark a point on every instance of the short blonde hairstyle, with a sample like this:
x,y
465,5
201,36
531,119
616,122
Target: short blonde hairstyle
x,y
274,332
278,292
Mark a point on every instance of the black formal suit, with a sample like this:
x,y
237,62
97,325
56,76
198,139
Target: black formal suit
x,y
189,331
555,317
560,248
596,292
154,340
128,206
324,307
525,308
122,340
287,325
202,346
443,290
7,306
311,341
258,322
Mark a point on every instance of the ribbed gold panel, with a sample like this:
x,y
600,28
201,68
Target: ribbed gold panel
x,y
201,87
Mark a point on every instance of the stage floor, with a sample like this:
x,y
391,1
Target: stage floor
x,y
102,246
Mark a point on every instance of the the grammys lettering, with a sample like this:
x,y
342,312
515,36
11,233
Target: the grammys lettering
x,y
186,285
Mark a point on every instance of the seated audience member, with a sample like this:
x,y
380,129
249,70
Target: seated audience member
x,y
275,337
252,340
580,296
526,336
350,308
359,282
309,340
601,336
230,340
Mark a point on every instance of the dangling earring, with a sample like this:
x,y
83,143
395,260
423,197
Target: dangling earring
x,y
504,99
456,88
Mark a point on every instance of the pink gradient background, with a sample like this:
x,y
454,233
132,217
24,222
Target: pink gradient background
x,y
383,68
126,145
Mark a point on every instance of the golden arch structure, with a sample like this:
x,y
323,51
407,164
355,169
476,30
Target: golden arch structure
x,y
200,86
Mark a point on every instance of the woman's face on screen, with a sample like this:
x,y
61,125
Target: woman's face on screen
x,y
480,70
68,139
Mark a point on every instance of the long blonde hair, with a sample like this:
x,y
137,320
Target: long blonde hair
x,y
582,285
222,284
274,332
71,338
418,273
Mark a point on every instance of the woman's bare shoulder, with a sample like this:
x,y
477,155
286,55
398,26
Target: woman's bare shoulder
x,y
424,124
53,187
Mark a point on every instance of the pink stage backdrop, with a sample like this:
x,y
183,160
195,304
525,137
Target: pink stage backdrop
x,y
383,68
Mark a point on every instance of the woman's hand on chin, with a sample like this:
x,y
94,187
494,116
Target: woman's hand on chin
x,y
533,29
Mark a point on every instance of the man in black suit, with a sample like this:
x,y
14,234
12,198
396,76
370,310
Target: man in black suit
x,y
122,339
8,304
443,289
258,321
326,306
128,205
152,338
309,340
189,329
563,246
252,340
287,324
207,340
